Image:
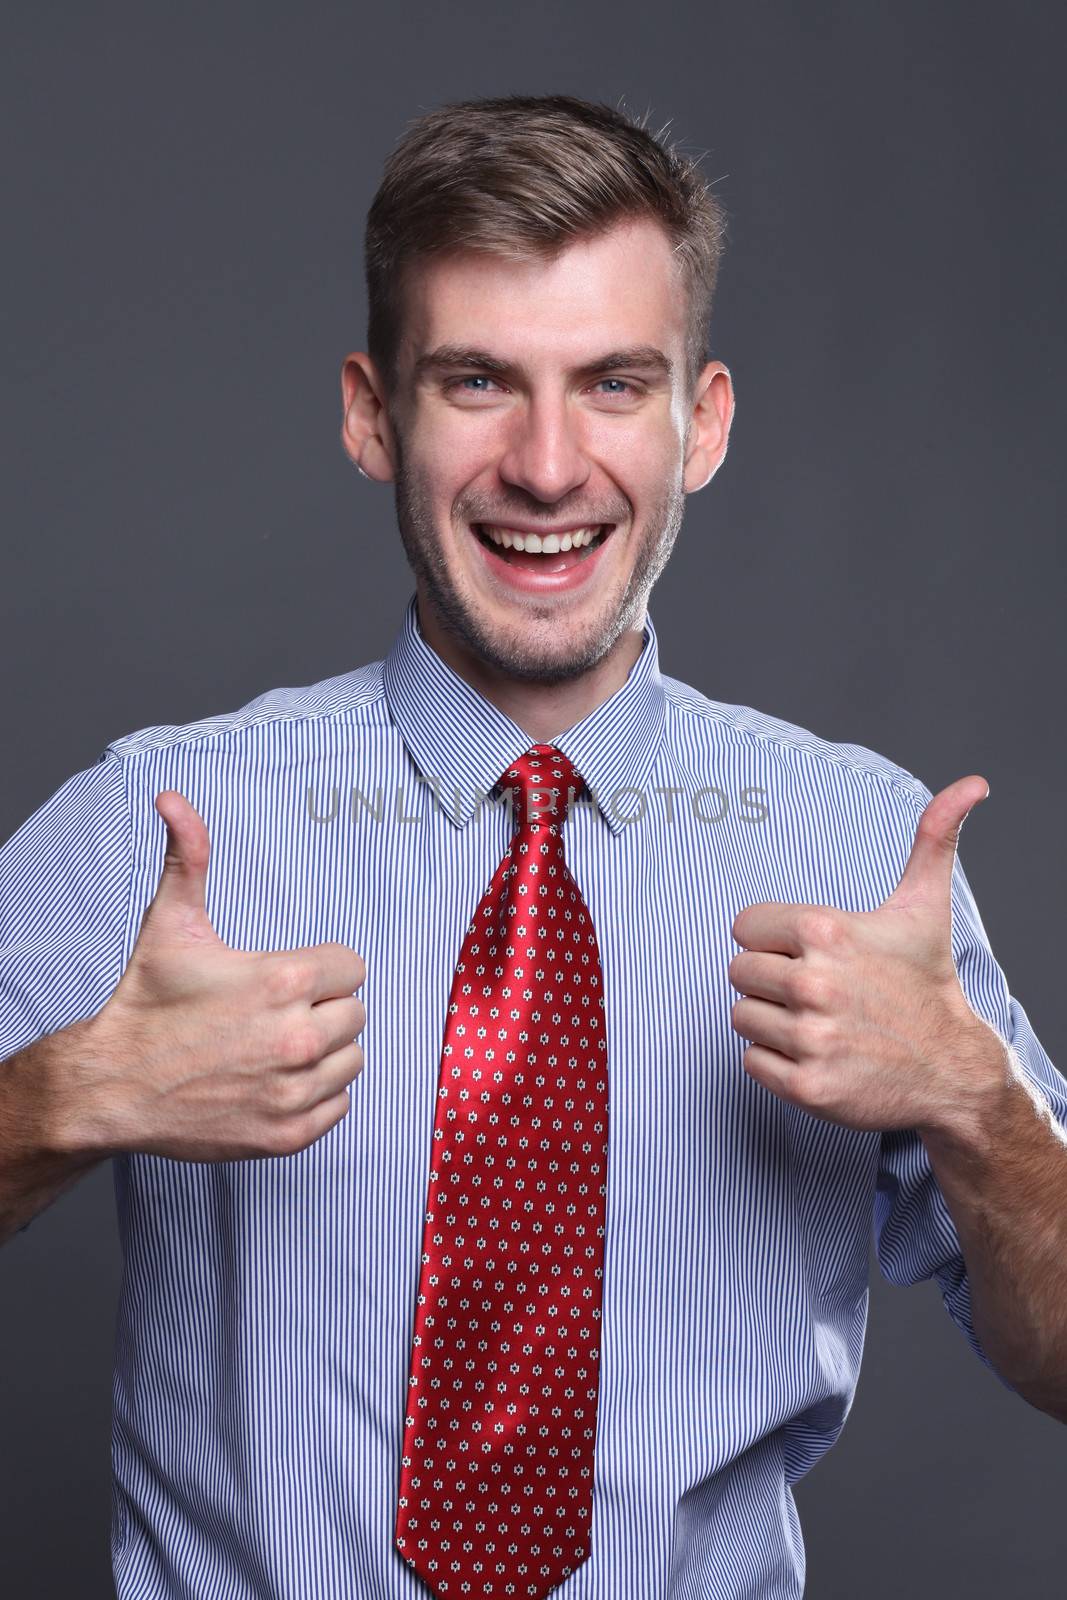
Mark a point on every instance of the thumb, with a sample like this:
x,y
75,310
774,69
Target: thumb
x,y
182,885
927,875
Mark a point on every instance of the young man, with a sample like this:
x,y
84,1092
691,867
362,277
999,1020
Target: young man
x,y
665,1003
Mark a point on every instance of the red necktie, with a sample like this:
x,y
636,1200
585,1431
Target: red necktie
x,y
496,1484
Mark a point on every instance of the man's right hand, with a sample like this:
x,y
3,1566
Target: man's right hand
x,y
206,1053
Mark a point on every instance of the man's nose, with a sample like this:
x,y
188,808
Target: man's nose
x,y
544,454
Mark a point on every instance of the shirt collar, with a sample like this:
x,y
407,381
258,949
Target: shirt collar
x,y
461,742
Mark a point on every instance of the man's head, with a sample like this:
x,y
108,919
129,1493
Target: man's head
x,y
540,275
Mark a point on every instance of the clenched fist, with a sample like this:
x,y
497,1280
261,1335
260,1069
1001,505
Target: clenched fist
x,y
205,1053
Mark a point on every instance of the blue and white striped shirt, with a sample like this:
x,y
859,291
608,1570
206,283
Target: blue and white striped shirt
x,y
264,1329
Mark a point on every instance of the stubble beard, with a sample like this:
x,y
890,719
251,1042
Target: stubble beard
x,y
535,659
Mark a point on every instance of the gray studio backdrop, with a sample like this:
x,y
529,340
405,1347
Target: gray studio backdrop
x,y
879,558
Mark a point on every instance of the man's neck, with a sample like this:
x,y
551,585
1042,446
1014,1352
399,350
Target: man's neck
x,y
543,711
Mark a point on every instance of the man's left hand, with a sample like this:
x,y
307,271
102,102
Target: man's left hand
x,y
859,1017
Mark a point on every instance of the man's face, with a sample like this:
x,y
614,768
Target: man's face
x,y
546,397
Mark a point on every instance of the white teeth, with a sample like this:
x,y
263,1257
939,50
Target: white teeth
x,y
552,544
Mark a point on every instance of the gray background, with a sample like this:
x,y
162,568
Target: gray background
x,y
878,559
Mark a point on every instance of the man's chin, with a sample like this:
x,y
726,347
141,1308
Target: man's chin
x,y
537,648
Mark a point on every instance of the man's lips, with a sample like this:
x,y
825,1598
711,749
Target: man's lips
x,y
552,569
550,540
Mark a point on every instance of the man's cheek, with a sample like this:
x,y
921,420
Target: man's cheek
x,y
456,455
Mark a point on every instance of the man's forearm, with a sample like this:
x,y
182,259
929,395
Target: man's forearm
x,y
39,1157
1003,1174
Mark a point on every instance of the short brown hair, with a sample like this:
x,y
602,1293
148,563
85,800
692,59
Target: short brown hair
x,y
524,176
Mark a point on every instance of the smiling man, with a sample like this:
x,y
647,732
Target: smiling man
x,y
542,400
558,1281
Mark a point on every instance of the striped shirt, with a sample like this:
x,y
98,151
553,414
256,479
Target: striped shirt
x,y
264,1328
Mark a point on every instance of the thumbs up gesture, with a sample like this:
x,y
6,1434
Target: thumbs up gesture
x,y
859,1017
206,1053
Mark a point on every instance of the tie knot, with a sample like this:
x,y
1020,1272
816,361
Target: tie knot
x,y
542,782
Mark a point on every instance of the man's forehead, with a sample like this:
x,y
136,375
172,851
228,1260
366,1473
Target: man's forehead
x,y
620,289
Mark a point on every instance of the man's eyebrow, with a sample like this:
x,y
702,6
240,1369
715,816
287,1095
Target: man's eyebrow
x,y
448,356
644,358
638,358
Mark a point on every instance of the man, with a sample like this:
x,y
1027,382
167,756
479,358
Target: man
x,y
560,1278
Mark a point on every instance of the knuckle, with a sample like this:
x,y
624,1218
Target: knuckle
x,y
287,1095
287,980
821,927
810,989
812,1037
818,1090
301,1043
293,1138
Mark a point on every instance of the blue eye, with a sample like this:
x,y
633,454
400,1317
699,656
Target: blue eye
x,y
621,384
479,377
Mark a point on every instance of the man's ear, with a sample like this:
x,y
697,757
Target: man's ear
x,y
366,432
709,426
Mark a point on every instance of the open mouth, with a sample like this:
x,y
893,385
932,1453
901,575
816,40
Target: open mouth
x,y
545,554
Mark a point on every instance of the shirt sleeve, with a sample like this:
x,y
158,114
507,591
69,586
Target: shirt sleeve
x,y
915,1236
65,879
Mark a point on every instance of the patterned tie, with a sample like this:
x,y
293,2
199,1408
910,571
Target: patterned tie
x,y
496,1484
